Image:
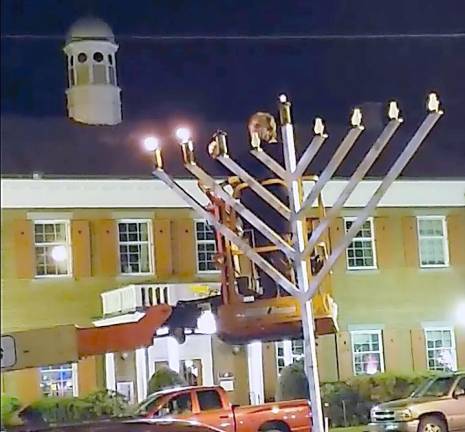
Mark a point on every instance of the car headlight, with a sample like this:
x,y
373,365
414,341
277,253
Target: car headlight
x,y
372,413
403,415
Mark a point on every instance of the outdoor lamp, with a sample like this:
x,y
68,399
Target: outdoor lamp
x,y
59,253
284,110
206,323
433,103
184,136
356,119
319,127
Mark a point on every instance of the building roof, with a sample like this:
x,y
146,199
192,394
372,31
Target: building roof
x,y
89,28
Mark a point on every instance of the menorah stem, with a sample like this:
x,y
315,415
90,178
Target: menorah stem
x,y
302,270
271,163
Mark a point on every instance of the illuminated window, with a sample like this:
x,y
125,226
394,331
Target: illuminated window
x,y
135,246
52,248
206,247
288,352
361,252
440,349
432,241
367,352
59,380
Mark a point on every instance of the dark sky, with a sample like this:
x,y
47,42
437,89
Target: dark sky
x,y
223,82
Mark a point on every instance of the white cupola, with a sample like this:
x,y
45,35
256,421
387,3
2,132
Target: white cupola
x,y
93,95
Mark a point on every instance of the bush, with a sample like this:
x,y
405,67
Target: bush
x,y
97,405
349,403
9,407
165,378
293,383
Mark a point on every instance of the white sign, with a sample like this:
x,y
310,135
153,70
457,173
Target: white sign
x,y
8,352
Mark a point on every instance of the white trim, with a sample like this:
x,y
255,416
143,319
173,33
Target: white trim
x,y
75,375
110,371
381,346
202,272
255,369
453,346
445,241
372,239
173,354
141,373
150,244
150,193
119,319
68,245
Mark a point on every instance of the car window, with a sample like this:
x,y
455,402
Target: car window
x,y
437,387
209,400
180,404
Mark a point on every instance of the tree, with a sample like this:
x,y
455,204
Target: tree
x,y
165,378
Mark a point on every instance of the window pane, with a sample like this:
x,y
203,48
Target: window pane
x,y
367,352
51,248
134,247
206,247
209,400
83,74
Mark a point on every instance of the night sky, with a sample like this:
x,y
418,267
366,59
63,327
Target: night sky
x,y
219,83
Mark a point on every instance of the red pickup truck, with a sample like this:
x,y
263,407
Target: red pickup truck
x,y
211,406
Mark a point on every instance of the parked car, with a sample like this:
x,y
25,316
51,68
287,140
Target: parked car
x,y
211,406
139,425
436,406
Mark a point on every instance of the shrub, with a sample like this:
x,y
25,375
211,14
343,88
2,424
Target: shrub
x,y
165,378
349,403
107,403
293,383
63,409
9,407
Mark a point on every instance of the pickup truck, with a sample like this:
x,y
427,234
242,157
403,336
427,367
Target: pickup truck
x,y
210,406
436,406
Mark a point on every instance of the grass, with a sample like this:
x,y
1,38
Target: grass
x,y
348,429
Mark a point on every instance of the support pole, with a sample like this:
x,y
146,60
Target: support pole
x,y
301,268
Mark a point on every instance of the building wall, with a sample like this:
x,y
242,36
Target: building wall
x,y
398,296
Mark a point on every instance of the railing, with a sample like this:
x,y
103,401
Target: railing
x,y
134,297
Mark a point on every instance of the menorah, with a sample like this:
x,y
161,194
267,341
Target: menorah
x,y
303,285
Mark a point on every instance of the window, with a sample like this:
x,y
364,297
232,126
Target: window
x,y
82,75
82,57
181,404
59,380
98,57
99,72
432,241
206,247
135,246
288,352
440,349
191,370
52,248
367,352
361,252
209,400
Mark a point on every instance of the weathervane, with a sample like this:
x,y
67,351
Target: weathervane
x,y
305,284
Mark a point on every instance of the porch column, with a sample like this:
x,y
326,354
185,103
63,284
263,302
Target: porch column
x,y
141,373
255,366
173,353
110,373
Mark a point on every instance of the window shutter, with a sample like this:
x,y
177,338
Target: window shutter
x,y
385,240
391,350
106,247
456,239
185,251
336,233
24,248
417,337
410,241
460,345
87,376
163,252
344,352
80,244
